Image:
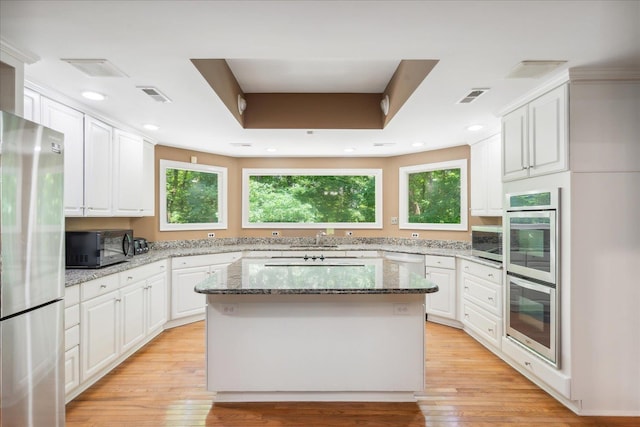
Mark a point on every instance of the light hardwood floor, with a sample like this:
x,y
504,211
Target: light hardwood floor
x,y
164,385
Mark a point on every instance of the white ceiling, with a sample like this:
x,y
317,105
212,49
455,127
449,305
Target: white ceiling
x,y
351,46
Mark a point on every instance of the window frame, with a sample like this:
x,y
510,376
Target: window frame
x,y
222,196
248,172
404,173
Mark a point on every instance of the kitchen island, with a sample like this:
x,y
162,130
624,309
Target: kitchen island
x,y
321,329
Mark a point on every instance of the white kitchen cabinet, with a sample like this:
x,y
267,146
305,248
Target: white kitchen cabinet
x,y
186,272
482,301
98,164
31,105
100,341
486,178
72,338
71,123
132,302
128,155
441,306
156,302
534,137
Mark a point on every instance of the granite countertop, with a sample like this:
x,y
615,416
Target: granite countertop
x,y
328,276
161,251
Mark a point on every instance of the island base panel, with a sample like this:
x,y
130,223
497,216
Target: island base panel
x,y
315,347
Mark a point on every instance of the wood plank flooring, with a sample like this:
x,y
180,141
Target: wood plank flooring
x,y
164,385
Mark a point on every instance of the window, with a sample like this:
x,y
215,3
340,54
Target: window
x,y
434,196
192,196
311,198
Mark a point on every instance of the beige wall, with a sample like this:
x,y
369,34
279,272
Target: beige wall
x,y
149,226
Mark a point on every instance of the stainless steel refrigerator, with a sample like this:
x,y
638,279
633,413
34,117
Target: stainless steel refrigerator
x,y
31,274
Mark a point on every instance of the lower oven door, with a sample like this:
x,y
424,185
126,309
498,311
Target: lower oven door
x,y
532,318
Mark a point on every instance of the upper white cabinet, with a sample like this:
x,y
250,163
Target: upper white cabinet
x,y
486,179
98,182
108,172
535,137
70,122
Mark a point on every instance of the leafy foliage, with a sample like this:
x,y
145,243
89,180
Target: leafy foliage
x,y
311,198
192,196
434,197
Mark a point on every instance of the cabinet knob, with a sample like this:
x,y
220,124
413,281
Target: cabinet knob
x,y
103,286
466,267
527,364
466,316
490,299
466,288
129,278
490,330
118,299
490,274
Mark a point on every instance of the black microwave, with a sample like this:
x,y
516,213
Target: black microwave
x,y
486,242
97,248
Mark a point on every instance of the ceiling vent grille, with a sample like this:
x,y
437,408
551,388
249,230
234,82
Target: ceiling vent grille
x,y
241,144
154,93
473,95
96,67
383,144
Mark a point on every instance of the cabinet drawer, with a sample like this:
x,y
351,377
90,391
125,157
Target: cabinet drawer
x,y
480,321
71,295
71,316
440,261
483,271
204,260
533,365
99,287
72,337
486,294
142,273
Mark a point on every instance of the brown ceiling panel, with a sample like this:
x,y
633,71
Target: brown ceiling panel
x,y
406,79
219,76
313,111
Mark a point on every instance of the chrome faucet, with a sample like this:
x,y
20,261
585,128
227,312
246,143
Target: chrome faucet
x,y
319,237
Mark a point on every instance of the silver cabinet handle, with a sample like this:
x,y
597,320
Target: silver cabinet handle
x,y
490,274
118,299
103,286
490,299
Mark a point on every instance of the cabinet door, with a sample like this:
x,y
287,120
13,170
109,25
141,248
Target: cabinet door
x,y
31,107
493,157
71,369
548,132
156,302
478,180
71,123
443,302
98,162
100,333
128,163
184,300
133,315
148,179
514,145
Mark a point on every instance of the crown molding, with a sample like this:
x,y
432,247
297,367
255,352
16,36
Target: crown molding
x,y
612,74
21,55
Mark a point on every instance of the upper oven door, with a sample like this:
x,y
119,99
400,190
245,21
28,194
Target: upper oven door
x,y
530,244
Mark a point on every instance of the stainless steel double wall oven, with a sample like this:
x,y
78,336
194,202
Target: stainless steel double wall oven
x,y
531,260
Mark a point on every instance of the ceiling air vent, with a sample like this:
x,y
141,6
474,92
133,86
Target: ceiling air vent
x,y
383,144
241,144
473,95
154,93
96,67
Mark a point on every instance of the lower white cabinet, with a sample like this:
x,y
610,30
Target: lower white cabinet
x,y
482,301
118,314
186,272
442,304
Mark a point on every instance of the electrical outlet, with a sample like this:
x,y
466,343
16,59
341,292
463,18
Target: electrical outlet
x,y
401,309
415,235
394,220
229,309
348,233
211,235
275,233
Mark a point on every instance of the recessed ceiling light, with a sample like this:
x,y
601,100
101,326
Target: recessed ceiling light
x,y
149,126
474,128
94,96
272,149
417,144
349,150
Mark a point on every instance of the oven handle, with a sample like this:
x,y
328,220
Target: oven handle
x,y
531,285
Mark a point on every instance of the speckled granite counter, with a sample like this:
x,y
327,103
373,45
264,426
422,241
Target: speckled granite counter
x,y
166,250
326,276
